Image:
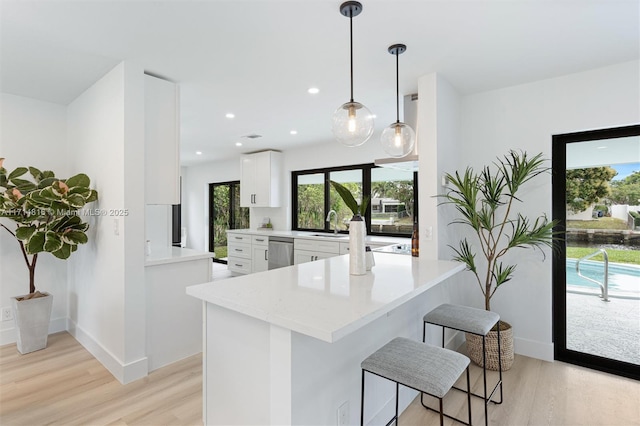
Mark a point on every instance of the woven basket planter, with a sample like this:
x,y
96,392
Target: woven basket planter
x,y
474,347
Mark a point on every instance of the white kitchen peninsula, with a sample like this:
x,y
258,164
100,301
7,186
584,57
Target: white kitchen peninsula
x,y
174,320
284,346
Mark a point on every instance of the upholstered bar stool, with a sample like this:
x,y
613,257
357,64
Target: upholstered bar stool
x,y
474,321
419,366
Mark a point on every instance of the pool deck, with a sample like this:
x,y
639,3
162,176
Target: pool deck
x,y
609,329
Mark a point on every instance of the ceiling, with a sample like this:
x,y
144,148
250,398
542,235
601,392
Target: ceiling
x,y
257,59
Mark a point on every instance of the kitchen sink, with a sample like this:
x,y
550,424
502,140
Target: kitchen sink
x,y
330,235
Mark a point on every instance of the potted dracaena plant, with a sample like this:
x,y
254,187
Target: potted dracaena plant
x,y
357,229
45,212
485,202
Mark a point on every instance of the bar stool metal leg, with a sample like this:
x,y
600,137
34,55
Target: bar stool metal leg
x,y
469,395
499,364
476,322
484,375
362,401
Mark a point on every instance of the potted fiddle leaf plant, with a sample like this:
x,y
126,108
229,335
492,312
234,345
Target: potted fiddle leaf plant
x,y
45,211
357,229
485,203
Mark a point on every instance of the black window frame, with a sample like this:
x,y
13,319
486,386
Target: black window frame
x,y
232,222
366,189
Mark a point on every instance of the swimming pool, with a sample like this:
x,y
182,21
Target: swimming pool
x,y
624,280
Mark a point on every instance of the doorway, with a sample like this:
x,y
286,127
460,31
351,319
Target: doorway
x,y
224,213
596,268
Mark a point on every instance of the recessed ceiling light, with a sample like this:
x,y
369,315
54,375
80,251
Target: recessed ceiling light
x,y
198,152
313,90
230,115
294,132
238,143
602,147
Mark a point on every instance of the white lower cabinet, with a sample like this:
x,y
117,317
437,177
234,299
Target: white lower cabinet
x,y
239,256
311,250
303,256
247,253
259,253
241,266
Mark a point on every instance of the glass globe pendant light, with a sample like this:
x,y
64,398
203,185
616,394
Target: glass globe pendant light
x,y
398,138
352,123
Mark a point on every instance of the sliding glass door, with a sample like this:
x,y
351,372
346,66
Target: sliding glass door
x,y
596,287
224,213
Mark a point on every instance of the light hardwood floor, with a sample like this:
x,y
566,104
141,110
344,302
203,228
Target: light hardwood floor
x,y
65,385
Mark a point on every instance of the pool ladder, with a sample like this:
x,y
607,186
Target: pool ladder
x,y
604,286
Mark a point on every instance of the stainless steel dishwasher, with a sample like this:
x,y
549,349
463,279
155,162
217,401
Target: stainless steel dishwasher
x,y
280,252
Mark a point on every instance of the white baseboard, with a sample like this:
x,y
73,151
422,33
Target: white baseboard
x,y
125,373
8,335
533,349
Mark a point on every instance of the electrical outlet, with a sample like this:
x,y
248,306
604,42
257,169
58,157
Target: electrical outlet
x,y
429,233
343,414
7,313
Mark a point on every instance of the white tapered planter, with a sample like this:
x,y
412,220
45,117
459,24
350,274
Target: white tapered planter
x,y
32,318
357,259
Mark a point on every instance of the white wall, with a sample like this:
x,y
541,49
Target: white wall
x,y
32,133
195,197
525,117
106,276
583,215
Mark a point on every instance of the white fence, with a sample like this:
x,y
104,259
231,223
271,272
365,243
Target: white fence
x,y
620,211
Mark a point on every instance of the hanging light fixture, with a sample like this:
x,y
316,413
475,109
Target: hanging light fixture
x,y
398,139
352,122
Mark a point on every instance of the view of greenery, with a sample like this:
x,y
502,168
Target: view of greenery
x,y
615,256
401,190
587,186
627,190
224,218
391,201
601,223
311,205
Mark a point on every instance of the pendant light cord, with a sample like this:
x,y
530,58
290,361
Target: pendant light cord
x,y
397,88
351,49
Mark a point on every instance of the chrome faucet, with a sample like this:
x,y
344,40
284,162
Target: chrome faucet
x,y
335,226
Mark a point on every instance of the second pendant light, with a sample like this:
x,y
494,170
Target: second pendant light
x,y
398,138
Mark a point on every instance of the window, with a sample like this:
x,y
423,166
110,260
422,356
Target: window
x,y
393,196
393,201
224,213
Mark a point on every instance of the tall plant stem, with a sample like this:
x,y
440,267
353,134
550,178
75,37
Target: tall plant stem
x,y
491,254
30,265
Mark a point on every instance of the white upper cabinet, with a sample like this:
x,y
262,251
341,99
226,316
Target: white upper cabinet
x,y
260,179
161,141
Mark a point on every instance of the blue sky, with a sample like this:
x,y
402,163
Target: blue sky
x,y
625,170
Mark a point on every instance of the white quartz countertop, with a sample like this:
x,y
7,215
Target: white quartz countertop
x,y
322,236
320,299
164,255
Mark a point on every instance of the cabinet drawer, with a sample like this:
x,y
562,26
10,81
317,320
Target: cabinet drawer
x,y
304,256
238,238
239,250
240,265
344,248
317,246
259,240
